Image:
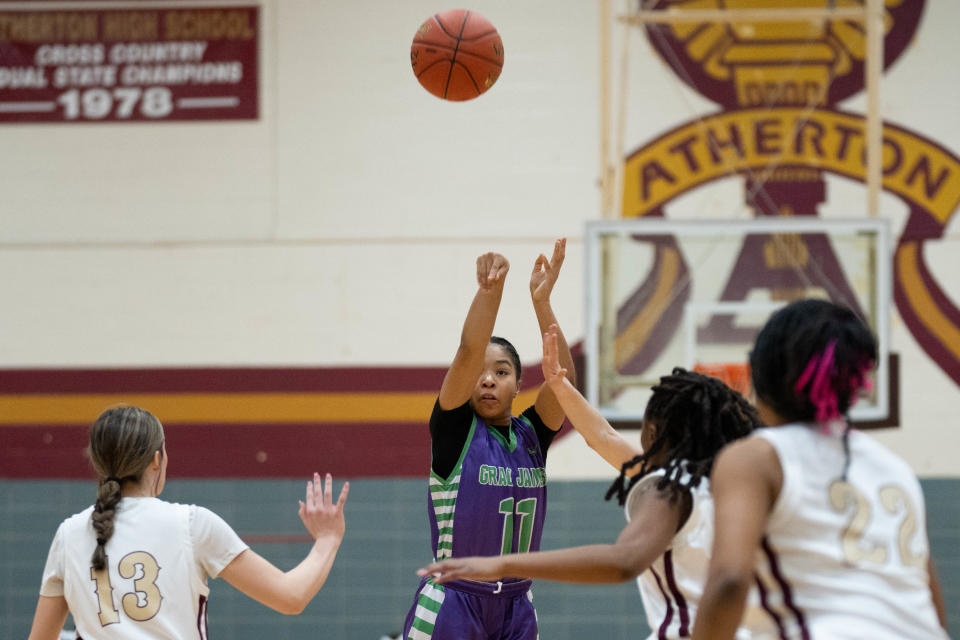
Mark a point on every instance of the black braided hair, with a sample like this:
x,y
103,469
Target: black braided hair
x,y
123,442
810,362
697,415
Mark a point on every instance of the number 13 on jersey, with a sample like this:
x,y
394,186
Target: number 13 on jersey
x,y
140,604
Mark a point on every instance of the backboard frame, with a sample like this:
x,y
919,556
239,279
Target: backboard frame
x,y
881,297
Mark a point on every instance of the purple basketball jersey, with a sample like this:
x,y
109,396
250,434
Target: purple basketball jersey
x,y
495,499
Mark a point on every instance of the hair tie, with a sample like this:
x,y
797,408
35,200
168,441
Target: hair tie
x,y
101,541
818,374
114,478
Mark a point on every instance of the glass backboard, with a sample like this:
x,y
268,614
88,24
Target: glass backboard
x,y
664,293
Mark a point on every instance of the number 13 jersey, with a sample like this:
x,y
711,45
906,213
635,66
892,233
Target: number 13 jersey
x,y
158,561
844,558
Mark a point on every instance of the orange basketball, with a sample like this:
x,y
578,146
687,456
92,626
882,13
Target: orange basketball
x,y
457,54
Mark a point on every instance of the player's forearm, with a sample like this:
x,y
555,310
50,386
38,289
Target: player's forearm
x,y
591,564
475,336
546,318
721,607
480,320
301,584
596,431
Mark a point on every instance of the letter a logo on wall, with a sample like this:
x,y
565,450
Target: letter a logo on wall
x,y
778,85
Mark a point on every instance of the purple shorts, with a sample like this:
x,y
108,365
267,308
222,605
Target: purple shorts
x,y
466,610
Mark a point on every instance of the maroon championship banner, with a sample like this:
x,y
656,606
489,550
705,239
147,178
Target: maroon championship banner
x,y
136,65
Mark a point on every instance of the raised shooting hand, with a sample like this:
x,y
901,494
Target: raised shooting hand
x,y
545,272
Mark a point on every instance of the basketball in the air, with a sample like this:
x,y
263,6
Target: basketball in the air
x,y
457,54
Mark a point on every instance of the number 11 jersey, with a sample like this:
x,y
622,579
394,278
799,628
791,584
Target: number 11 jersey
x,y
494,500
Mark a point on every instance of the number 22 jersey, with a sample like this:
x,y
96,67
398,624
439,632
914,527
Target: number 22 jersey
x,y
844,558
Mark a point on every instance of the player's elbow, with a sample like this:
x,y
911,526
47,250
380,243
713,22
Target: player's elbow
x,y
619,566
295,610
728,586
291,604
290,609
626,567
625,572
635,559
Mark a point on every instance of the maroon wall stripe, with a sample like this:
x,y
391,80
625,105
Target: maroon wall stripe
x,y
241,379
224,450
222,380
234,380
234,451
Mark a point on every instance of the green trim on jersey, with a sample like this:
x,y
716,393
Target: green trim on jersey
x,y
443,498
429,599
508,445
529,423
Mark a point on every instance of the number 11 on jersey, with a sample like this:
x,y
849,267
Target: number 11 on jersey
x,y
525,509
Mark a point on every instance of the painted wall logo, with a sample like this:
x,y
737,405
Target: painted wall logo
x,y
778,85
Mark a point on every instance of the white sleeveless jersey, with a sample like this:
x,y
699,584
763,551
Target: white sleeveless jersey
x,y
672,587
845,559
158,561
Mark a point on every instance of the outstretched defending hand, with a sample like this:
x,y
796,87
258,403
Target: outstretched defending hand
x,y
545,271
473,568
553,373
319,514
491,270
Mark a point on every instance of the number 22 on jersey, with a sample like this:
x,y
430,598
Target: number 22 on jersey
x,y
843,495
140,604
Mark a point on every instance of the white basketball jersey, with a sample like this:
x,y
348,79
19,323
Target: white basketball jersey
x,y
158,561
845,559
672,587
